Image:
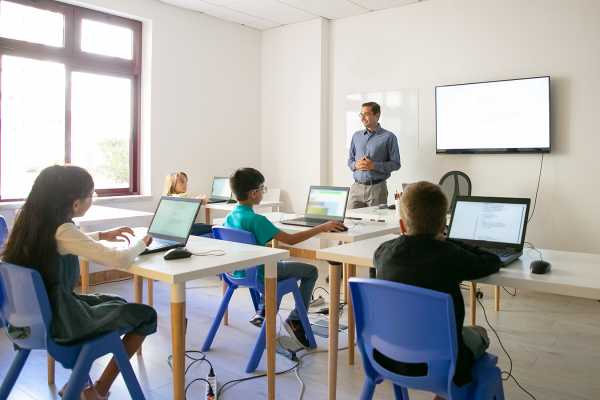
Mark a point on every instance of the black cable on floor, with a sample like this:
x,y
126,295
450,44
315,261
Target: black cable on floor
x,y
504,374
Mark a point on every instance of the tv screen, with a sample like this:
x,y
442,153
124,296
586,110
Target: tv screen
x,y
509,116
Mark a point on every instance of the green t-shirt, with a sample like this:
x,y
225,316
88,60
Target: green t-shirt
x,y
243,217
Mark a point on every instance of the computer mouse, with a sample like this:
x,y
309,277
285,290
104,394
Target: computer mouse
x,y
176,253
539,267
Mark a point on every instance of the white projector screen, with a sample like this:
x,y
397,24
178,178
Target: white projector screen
x,y
494,117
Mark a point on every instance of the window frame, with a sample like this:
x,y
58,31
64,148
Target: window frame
x,y
76,60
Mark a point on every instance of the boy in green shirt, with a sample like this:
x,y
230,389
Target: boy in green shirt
x,y
247,184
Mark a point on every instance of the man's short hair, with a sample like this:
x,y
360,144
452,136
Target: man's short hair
x,y
245,180
375,109
423,208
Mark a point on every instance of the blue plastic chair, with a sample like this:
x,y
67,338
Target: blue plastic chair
x,y
397,322
24,304
256,287
3,230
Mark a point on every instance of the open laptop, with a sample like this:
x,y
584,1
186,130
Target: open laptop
x,y
495,224
325,203
172,223
221,191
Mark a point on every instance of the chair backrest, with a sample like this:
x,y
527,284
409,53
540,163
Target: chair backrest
x,y
238,236
453,184
24,307
397,323
3,231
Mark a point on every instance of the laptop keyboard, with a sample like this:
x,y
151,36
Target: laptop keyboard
x,y
499,251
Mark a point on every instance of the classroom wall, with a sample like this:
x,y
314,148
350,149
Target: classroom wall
x,y
452,41
201,85
293,103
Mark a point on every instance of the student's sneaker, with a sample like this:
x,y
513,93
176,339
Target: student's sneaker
x,y
258,319
296,330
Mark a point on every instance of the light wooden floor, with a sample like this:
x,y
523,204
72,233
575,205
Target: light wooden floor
x,y
554,342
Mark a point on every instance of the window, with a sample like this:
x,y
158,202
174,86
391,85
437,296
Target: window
x,y
69,93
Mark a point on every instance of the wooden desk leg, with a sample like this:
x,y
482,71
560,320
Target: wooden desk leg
x,y
497,295
138,291
178,339
51,365
351,332
226,315
473,302
270,320
274,243
151,292
345,282
207,218
84,271
334,323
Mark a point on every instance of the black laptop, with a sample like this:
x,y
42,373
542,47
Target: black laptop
x,y
324,204
172,223
221,191
494,224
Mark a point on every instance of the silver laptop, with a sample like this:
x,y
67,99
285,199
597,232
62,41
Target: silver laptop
x,y
494,224
172,223
221,191
325,203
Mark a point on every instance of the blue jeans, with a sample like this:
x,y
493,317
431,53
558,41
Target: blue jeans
x,y
306,273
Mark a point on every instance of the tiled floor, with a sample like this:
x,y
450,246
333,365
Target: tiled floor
x,y
554,342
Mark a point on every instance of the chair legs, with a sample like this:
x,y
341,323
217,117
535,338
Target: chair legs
x,y
368,389
80,374
217,320
400,393
133,386
13,373
303,315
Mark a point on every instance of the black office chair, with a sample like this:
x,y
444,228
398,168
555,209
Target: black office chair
x,y
453,184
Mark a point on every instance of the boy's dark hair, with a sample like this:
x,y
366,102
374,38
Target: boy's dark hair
x,y
375,109
423,208
245,180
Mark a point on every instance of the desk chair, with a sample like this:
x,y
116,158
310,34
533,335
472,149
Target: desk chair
x,y
421,331
453,184
26,316
251,281
3,231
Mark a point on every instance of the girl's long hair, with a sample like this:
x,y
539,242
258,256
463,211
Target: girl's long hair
x,y
32,241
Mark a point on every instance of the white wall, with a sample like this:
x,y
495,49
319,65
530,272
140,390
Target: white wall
x,y
293,103
201,85
451,41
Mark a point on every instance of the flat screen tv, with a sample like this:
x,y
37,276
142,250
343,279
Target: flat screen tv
x,y
508,116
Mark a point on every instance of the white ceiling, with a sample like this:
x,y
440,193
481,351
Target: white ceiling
x,y
266,14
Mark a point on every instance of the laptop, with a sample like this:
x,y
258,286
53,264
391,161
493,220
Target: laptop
x,y
172,223
325,203
221,191
494,224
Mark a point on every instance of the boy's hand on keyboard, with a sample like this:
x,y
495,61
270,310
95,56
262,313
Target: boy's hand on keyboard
x,y
333,226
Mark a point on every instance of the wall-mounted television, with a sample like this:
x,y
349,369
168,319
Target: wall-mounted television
x,y
508,116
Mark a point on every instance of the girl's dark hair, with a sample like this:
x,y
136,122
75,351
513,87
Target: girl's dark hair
x,y
244,180
32,240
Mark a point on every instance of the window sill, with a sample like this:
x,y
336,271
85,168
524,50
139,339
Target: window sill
x,y
14,205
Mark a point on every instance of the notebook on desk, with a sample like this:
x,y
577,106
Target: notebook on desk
x,y
325,203
172,223
495,224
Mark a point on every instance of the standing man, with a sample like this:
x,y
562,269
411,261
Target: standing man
x,y
374,154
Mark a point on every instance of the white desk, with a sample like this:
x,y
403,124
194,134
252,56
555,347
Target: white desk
x,y
572,274
177,272
272,205
373,213
102,217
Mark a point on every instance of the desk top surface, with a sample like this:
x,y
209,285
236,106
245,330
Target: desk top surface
x,y
572,274
237,256
102,213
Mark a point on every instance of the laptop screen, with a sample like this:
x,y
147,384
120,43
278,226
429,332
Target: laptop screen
x,y
501,222
174,218
327,202
221,188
